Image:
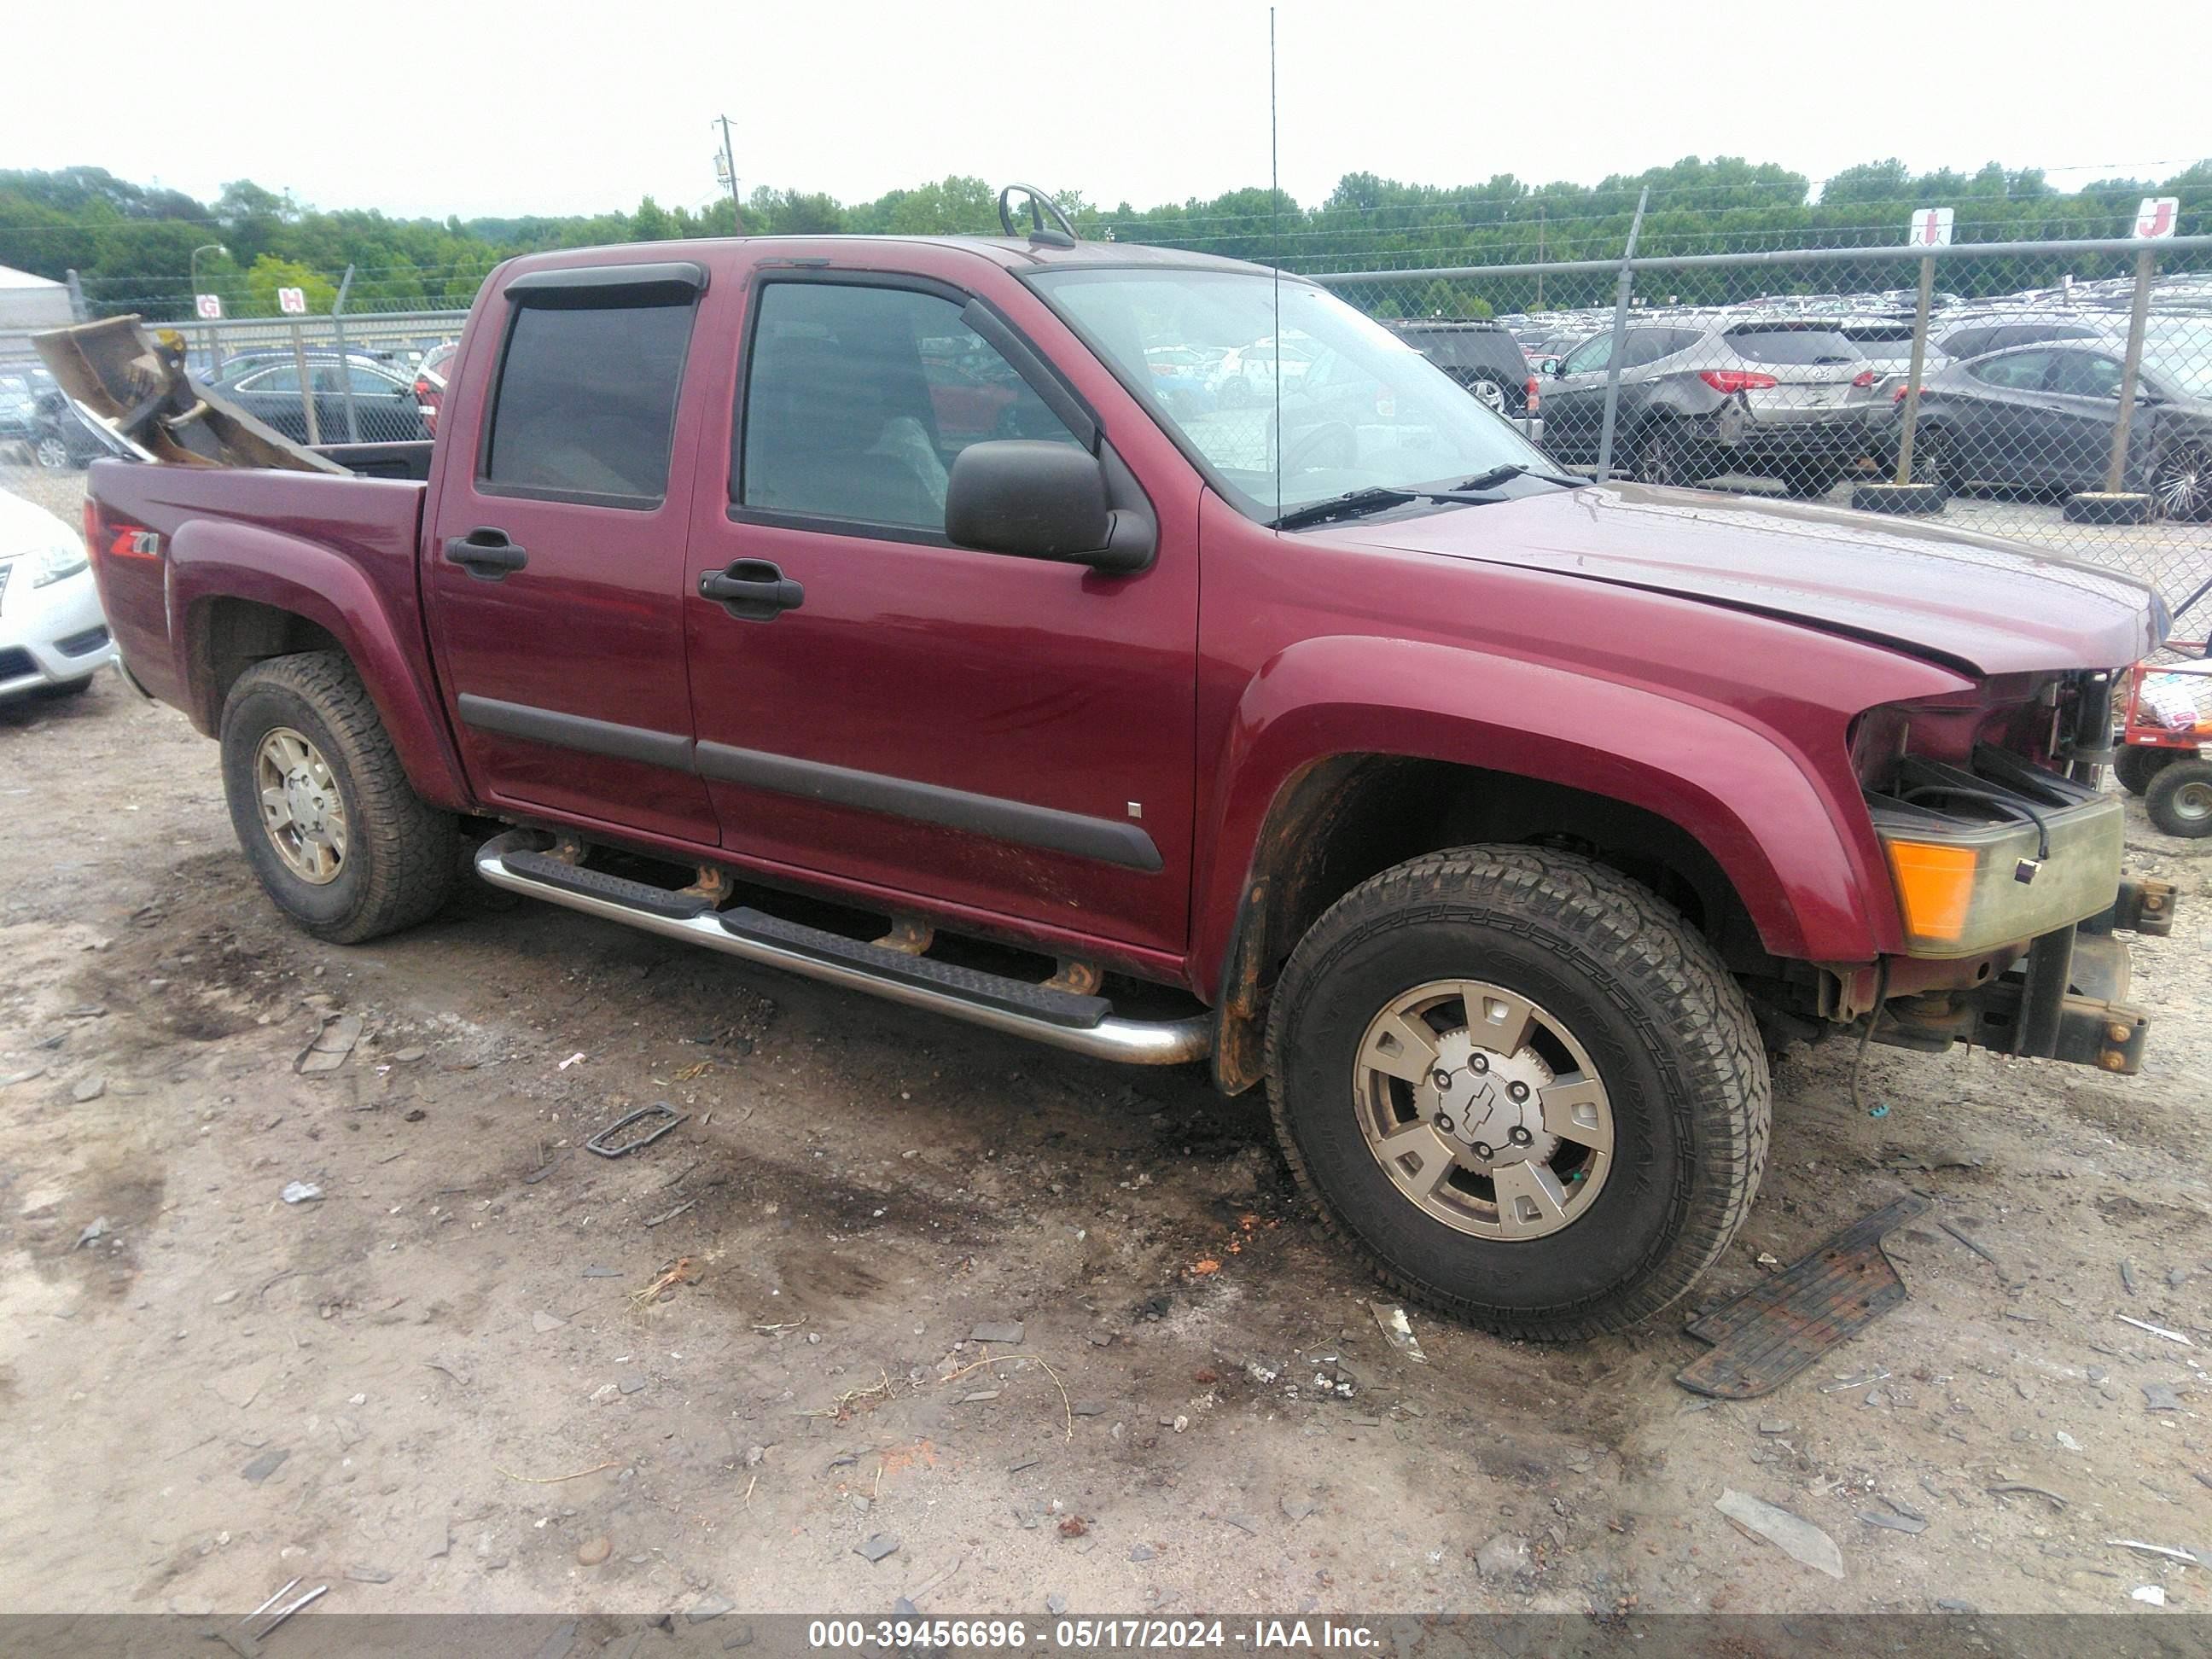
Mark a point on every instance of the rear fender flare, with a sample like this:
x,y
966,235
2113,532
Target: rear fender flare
x,y
1794,843
211,561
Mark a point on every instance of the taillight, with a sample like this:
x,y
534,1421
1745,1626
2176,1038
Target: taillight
x,y
421,388
1730,381
1536,397
1865,379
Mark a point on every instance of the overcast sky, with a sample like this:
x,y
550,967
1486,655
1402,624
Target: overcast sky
x,y
486,107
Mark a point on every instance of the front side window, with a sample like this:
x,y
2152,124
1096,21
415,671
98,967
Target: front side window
x,y
586,405
1589,356
859,399
1353,407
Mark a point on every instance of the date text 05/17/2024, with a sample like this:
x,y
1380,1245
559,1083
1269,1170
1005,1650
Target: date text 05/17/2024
x,y
1087,1635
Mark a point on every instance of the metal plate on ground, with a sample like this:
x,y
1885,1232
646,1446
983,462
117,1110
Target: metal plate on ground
x,y
1775,1330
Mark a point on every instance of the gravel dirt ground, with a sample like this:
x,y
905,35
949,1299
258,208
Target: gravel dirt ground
x,y
488,1370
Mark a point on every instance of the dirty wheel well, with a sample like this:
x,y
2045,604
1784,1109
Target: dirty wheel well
x,y
232,634
1352,816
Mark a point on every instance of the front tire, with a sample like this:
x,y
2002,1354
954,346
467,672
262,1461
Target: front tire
x,y
1626,1143
322,807
2179,798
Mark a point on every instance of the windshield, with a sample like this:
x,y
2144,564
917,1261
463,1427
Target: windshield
x,y
1359,408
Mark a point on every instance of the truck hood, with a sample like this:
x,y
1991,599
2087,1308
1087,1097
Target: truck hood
x,y
1969,601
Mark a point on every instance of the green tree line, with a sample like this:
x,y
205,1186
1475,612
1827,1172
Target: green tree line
x,y
133,246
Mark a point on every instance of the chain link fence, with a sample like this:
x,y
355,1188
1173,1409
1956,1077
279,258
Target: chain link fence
x,y
2057,394
2062,398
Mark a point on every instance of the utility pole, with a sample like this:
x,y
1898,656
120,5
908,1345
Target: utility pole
x,y
729,174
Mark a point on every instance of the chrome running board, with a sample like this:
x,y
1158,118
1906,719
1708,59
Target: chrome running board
x,y
1083,1024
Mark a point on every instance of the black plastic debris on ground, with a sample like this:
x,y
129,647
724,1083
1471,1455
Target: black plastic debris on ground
x,y
1776,1329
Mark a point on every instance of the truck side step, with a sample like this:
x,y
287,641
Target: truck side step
x,y
989,990
1065,1019
615,890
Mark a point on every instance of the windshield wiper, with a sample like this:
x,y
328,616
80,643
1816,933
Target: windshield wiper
x,y
1511,471
1356,504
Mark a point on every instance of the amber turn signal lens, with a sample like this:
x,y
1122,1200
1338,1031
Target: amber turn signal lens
x,y
1934,885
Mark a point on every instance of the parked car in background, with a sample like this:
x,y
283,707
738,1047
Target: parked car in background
x,y
1886,344
1785,398
2042,417
1246,375
18,410
1183,376
51,632
384,401
430,381
1480,356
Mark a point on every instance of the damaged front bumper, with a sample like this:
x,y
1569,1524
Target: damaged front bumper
x,y
2063,997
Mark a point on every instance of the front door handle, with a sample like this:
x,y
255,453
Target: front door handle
x,y
486,553
752,590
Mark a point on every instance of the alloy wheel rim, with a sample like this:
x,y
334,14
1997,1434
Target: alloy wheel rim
x,y
302,808
2184,485
1484,1110
53,453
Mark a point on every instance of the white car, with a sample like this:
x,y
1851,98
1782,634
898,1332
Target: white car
x,y
51,631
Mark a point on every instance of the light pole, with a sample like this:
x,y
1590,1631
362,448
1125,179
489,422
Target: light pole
x,y
192,281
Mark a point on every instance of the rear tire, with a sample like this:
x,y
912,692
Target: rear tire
x,y
382,858
1665,458
1624,1001
2179,798
2181,484
2136,765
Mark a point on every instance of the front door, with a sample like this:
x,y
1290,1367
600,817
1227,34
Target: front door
x,y
556,562
1004,736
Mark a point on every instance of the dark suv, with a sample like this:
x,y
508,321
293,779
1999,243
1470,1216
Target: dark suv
x,y
1480,356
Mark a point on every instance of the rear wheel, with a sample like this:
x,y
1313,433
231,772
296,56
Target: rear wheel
x,y
1932,462
2179,798
2136,765
51,452
1664,456
1520,1089
322,807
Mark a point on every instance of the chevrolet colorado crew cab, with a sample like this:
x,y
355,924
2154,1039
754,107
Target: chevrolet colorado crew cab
x,y
861,607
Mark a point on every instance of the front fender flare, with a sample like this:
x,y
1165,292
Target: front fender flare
x,y
1794,842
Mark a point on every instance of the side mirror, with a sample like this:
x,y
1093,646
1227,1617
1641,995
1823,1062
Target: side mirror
x,y
1036,500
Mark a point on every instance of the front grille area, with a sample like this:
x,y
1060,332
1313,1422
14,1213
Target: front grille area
x,y
76,645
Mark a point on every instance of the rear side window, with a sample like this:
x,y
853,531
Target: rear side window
x,y
587,403
1792,345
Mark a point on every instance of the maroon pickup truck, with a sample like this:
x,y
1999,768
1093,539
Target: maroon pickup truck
x,y
878,610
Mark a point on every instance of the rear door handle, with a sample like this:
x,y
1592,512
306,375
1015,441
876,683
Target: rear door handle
x,y
486,553
752,590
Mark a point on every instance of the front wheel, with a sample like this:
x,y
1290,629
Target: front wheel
x,y
1521,1089
321,806
2179,798
2181,484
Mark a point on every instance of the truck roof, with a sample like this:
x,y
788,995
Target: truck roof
x,y
1010,252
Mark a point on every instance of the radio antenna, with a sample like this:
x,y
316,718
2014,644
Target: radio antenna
x,y
1275,215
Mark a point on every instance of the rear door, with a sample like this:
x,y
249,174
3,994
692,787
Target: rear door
x,y
1994,419
987,735
554,563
